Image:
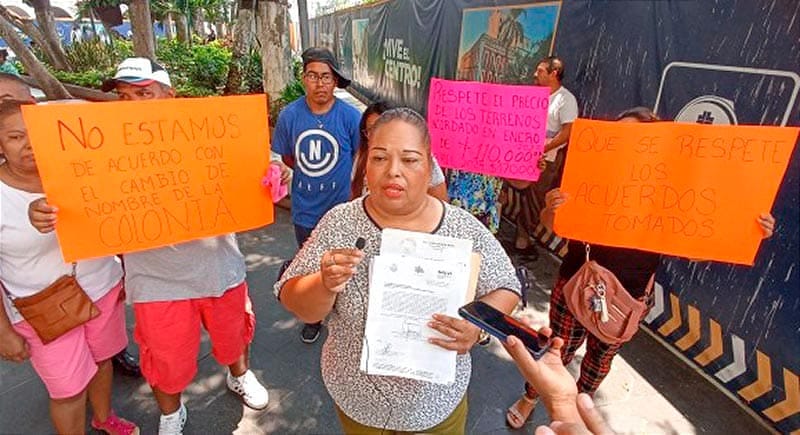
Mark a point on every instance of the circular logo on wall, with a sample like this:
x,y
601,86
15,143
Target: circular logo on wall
x,y
708,109
320,153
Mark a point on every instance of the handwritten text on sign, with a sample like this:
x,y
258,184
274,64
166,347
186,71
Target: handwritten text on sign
x,y
128,176
690,190
488,128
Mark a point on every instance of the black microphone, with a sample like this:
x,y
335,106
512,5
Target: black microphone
x,y
361,243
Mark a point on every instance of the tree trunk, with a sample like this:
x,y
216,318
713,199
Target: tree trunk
x,y
272,24
110,16
27,26
79,92
142,23
167,23
110,31
243,35
302,9
182,27
224,21
198,23
51,87
46,22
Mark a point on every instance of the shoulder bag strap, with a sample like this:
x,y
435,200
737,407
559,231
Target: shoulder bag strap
x,y
6,293
650,285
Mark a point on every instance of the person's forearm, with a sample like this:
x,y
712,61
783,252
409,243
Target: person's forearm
x,y
307,298
547,217
559,139
503,300
288,161
564,412
5,323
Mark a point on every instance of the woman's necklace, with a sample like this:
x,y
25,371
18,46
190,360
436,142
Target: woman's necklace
x,y
320,117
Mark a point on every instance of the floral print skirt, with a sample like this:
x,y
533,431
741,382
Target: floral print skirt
x,y
478,194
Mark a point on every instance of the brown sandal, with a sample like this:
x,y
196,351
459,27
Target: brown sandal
x,y
514,417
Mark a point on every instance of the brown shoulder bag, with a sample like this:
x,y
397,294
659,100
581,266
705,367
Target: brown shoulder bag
x,y
602,305
58,308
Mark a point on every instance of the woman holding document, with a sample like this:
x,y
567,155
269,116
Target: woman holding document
x,y
330,278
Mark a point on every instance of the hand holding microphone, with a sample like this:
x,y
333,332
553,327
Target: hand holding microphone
x,y
338,265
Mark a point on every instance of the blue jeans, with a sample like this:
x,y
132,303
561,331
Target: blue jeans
x,y
301,234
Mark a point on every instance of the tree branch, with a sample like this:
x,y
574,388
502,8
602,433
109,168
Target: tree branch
x,y
51,87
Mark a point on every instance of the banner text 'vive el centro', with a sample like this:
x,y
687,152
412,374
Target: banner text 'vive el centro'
x,y
689,190
129,176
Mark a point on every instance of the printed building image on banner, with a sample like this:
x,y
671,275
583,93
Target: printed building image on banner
x,y
503,44
361,52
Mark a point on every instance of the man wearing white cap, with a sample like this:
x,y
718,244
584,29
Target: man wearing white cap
x,y
176,289
139,78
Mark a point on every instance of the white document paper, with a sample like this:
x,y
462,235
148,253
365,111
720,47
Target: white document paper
x,y
426,246
415,276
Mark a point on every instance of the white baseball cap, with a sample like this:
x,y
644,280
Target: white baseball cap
x,y
138,71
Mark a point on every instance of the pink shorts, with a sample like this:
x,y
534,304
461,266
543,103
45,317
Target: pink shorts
x,y
168,334
67,364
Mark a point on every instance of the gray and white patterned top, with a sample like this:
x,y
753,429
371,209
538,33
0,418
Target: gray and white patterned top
x,y
383,401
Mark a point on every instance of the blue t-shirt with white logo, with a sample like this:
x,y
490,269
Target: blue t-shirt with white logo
x,y
323,148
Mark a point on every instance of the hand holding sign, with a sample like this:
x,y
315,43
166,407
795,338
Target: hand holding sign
x,y
128,176
682,189
42,215
488,128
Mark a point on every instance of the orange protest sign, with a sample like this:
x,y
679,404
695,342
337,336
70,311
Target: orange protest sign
x,y
128,176
689,190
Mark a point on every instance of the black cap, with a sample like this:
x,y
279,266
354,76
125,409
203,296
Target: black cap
x,y
319,54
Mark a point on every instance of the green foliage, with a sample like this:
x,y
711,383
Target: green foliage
x,y
291,92
84,6
253,77
294,89
90,78
196,70
252,74
96,54
160,8
297,69
215,10
94,61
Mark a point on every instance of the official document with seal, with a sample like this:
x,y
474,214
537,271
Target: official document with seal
x,y
415,276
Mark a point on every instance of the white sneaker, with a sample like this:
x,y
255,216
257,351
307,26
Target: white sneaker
x,y
172,424
249,389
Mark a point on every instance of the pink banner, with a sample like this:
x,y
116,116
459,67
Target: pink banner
x,y
488,128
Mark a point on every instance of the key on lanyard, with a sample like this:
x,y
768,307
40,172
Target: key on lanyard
x,y
601,296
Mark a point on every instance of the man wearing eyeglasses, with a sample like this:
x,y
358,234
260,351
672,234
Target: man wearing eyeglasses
x,y
317,136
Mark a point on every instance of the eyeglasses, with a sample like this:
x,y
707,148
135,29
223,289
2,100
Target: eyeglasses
x,y
325,79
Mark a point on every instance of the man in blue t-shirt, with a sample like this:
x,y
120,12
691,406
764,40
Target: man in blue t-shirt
x,y
317,136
